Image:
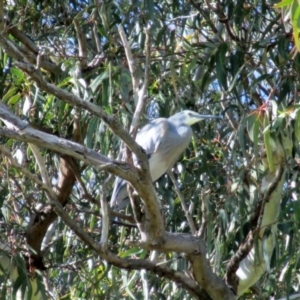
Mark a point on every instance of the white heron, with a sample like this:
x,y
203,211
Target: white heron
x,y
164,140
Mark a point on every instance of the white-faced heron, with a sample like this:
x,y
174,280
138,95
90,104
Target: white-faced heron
x,y
164,140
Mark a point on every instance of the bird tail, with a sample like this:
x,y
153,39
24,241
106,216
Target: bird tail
x,y
119,198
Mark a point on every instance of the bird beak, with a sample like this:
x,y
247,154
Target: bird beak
x,y
210,117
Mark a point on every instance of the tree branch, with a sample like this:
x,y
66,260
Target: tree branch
x,y
23,38
266,214
130,60
142,93
82,46
105,216
41,163
68,97
130,264
24,132
154,227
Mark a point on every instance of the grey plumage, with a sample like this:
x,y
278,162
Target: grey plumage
x,y
164,140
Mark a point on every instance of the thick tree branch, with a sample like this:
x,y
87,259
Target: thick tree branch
x,y
154,221
154,226
23,132
19,52
211,283
166,242
70,98
23,38
130,264
195,250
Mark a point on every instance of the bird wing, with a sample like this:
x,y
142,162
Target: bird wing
x,y
149,139
150,136
164,143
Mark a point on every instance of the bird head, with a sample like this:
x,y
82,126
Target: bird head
x,y
190,117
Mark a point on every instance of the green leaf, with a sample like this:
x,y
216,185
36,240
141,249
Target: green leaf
x,y
150,7
105,92
241,134
283,3
130,252
237,75
18,283
297,126
19,74
94,86
160,35
14,99
268,146
7,97
91,132
295,17
65,81
220,66
192,65
255,135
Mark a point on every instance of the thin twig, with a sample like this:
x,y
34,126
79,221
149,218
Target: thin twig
x,y
183,204
41,163
105,215
227,114
204,217
183,17
82,44
26,173
130,60
142,93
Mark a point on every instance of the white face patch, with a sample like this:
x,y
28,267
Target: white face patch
x,y
192,118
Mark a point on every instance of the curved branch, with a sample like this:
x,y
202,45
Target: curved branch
x,y
154,225
249,263
70,98
130,264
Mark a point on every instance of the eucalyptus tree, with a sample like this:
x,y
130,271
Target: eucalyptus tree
x,y
78,79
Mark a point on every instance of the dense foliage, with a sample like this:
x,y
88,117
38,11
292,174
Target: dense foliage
x,y
232,58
